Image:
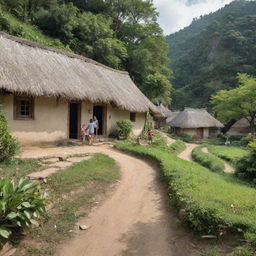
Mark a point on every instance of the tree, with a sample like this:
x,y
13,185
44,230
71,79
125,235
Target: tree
x,y
239,102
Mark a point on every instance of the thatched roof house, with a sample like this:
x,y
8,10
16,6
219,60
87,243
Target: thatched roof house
x,y
240,127
166,116
195,122
39,79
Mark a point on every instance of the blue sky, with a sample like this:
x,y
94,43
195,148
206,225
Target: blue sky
x,y
177,14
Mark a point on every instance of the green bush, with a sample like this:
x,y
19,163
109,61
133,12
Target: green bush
x,y
8,145
20,206
124,128
246,167
207,160
177,147
213,202
245,140
4,23
186,137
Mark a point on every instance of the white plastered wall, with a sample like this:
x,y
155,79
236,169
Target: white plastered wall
x,y
115,114
50,121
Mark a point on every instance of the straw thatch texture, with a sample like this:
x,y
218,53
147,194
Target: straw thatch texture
x,y
195,118
240,127
29,68
166,113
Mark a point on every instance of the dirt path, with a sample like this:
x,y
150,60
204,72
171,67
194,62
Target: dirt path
x,y
186,154
134,221
228,167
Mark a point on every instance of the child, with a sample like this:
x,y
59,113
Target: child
x,y
84,132
150,136
90,127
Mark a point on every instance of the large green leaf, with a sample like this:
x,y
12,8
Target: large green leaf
x,y
5,233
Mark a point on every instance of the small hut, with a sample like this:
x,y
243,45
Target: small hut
x,y
240,127
166,116
197,123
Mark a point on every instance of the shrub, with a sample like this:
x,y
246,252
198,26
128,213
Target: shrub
x,y
245,140
8,145
20,206
246,167
186,137
4,23
124,128
177,147
207,160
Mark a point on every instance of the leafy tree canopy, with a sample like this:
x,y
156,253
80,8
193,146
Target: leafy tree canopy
x,y
239,102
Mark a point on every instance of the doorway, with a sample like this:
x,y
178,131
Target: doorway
x,y
200,133
74,120
99,112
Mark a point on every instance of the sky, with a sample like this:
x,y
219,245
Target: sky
x,y
177,14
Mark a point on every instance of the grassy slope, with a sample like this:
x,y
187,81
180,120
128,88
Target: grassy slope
x,y
230,153
208,196
32,33
208,160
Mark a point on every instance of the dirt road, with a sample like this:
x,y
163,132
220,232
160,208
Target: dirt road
x,y
134,221
186,154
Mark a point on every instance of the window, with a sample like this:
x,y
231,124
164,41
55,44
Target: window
x,y
133,117
23,108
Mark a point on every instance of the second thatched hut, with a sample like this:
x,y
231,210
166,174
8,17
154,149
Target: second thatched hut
x,y
197,123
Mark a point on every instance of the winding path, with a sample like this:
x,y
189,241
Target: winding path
x,y
134,221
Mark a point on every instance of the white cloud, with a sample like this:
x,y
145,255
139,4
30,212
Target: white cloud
x,y
177,14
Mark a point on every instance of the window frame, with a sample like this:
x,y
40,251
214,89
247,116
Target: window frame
x,y
16,107
133,117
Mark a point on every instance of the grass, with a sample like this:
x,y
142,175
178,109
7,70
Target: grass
x,y
214,203
18,168
207,160
229,153
160,142
21,29
72,193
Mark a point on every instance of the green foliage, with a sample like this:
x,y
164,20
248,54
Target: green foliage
x,y
226,40
177,147
207,160
246,167
8,145
124,128
239,102
20,206
213,202
229,153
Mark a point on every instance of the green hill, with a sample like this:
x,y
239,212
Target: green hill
x,y
207,55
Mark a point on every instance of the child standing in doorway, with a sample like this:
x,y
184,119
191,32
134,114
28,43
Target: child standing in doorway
x,y
90,128
84,132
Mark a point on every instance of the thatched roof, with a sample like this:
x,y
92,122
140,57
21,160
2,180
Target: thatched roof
x,y
240,127
194,118
27,67
167,113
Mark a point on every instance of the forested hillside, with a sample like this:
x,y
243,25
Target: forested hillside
x,y
121,34
207,55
